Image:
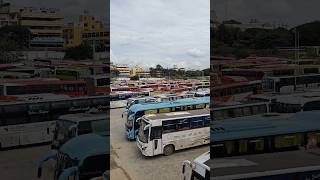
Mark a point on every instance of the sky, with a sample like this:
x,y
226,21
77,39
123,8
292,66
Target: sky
x,y
290,12
165,32
70,8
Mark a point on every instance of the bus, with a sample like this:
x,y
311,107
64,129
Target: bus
x,y
138,110
265,134
25,123
72,73
139,100
290,83
124,95
71,125
199,169
38,86
239,109
168,132
82,158
274,166
235,91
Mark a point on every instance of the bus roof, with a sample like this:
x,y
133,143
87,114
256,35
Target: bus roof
x,y
86,145
83,117
263,125
179,114
258,165
180,102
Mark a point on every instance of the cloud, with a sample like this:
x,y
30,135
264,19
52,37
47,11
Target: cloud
x,y
195,52
160,32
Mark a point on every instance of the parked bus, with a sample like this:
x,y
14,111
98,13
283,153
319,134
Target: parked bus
x,y
238,109
139,100
265,133
24,123
72,73
274,166
71,125
168,132
199,169
38,86
291,83
124,95
82,158
235,91
138,110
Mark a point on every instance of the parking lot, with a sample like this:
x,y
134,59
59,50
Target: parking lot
x,y
127,163
130,162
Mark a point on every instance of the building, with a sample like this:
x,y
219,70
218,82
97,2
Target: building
x,y
7,16
45,24
88,30
141,73
124,70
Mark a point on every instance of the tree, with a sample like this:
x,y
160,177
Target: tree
x,y
81,52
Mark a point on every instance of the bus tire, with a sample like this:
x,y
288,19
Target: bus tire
x,y
168,150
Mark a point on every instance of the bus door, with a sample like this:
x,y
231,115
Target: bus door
x,y
156,139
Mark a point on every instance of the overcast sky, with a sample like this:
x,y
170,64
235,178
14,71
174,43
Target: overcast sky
x,y
291,12
165,32
70,8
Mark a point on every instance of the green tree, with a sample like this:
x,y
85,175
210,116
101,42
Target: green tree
x,y
81,52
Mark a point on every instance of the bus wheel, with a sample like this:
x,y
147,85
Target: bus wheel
x,y
168,150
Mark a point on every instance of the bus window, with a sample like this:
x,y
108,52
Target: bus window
x,y
169,126
229,147
206,120
100,126
153,111
196,122
84,127
183,124
164,110
243,146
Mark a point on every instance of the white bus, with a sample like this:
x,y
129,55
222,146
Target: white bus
x,y
199,169
167,132
71,125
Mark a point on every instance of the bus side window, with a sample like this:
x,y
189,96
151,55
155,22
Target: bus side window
x,y
196,122
183,124
84,127
206,120
169,126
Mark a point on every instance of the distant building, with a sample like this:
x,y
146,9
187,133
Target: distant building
x,y
88,30
253,23
45,24
7,16
124,70
138,71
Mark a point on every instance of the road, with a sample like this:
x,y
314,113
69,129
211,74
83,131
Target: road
x,y
129,161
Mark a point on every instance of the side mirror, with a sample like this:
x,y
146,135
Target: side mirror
x,y
39,172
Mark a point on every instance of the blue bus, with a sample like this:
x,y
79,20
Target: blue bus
x,y
81,158
138,110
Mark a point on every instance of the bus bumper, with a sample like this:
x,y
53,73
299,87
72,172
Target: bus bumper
x,y
143,148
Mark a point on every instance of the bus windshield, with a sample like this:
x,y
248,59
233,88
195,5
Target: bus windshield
x,y
143,134
62,130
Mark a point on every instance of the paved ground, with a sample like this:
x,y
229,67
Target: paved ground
x,y
131,163
20,163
